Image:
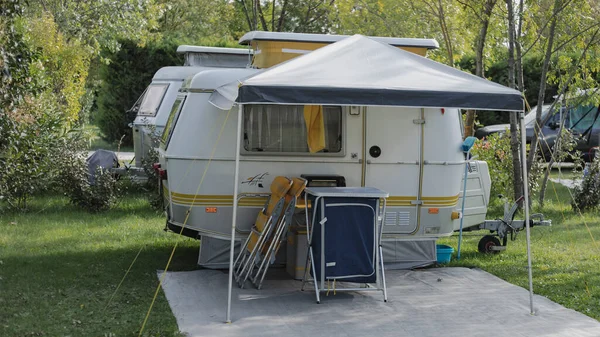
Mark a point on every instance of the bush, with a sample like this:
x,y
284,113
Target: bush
x,y
124,79
41,83
587,195
495,150
151,187
75,183
32,134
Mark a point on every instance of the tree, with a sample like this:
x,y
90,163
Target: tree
x,y
310,16
197,21
566,142
483,11
100,24
514,136
64,65
39,96
438,19
124,79
542,91
436,9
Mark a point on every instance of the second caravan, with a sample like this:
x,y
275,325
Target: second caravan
x,y
153,106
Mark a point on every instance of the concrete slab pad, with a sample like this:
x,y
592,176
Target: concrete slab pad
x,y
433,302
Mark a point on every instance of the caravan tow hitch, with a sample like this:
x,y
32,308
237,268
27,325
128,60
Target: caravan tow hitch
x,y
507,226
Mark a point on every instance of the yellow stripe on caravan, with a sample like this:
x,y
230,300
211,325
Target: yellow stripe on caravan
x,y
213,200
442,198
396,201
227,200
257,202
440,201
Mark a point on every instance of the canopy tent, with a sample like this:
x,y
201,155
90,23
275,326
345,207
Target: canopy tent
x,y
361,71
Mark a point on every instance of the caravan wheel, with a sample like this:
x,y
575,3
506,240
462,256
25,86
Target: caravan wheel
x,y
487,244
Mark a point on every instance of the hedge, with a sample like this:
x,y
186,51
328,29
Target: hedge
x,y
124,79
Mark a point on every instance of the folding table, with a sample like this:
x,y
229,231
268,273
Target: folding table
x,y
344,238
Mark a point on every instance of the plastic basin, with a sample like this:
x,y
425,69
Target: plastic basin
x,y
444,253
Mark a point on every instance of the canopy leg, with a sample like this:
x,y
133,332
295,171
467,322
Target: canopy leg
x,y
526,207
235,207
462,208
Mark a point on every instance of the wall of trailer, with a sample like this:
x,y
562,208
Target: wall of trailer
x,y
422,197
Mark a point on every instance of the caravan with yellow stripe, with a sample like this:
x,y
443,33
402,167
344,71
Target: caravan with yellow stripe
x,y
415,156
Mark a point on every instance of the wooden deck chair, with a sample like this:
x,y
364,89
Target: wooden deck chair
x,y
280,230
261,229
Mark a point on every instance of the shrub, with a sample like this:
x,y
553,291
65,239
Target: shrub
x,y
587,195
124,80
41,83
496,151
31,135
151,187
75,182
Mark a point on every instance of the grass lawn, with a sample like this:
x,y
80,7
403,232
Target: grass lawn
x,y
566,256
60,265
97,142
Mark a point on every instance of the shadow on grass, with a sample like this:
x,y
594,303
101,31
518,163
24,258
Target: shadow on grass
x,y
130,204
68,293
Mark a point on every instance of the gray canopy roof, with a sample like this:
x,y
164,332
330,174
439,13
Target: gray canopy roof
x,y
361,71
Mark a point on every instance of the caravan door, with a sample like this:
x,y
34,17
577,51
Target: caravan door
x,y
392,163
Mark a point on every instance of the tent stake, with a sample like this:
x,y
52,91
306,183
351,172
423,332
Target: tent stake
x,y
526,207
235,206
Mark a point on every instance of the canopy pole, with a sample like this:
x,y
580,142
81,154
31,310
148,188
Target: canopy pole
x,y
526,206
235,207
464,197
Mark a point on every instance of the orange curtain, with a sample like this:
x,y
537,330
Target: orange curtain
x,y
315,127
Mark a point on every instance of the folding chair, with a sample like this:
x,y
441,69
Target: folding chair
x,y
281,228
261,230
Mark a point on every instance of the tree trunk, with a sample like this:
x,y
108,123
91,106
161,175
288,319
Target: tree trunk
x,y
469,123
247,14
446,33
273,17
514,135
481,37
263,22
555,150
519,49
479,59
542,92
282,16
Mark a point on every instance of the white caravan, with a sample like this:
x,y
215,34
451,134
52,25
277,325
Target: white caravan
x,y
153,106
420,165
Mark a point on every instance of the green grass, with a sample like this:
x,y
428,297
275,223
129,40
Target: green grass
x,y
566,256
60,265
97,142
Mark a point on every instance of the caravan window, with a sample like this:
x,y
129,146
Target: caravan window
x,y
282,129
152,99
172,121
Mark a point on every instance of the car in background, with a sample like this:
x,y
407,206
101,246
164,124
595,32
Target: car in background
x,y
581,119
